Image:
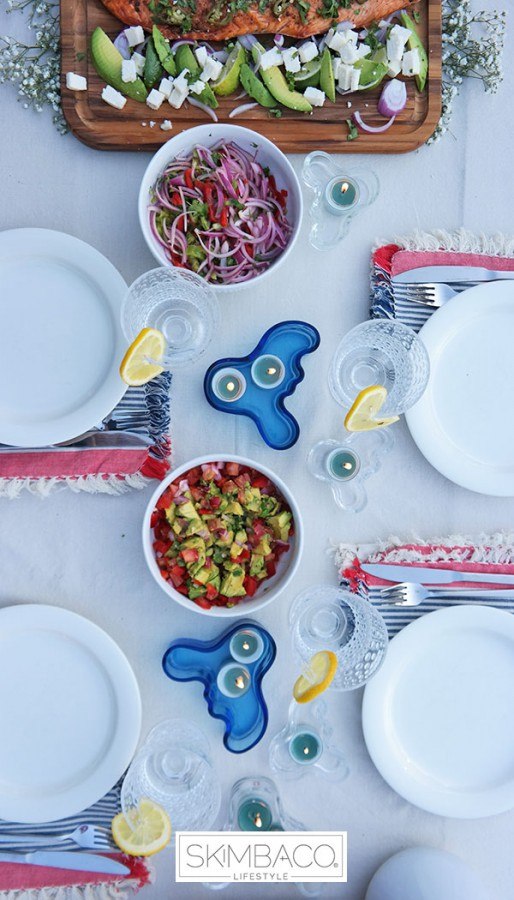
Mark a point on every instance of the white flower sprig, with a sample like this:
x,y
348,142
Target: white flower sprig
x,y
34,67
472,48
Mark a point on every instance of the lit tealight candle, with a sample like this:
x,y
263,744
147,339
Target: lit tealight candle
x,y
254,815
268,371
343,464
305,747
233,680
246,646
228,385
341,194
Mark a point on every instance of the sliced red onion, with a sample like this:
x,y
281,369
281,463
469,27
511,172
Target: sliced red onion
x,y
240,95
247,40
183,486
221,55
239,110
178,44
206,109
121,45
363,34
372,129
344,26
393,98
278,40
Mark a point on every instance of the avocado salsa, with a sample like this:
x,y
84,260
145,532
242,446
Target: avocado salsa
x,y
219,531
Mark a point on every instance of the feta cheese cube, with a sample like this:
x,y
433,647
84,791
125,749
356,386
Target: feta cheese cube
x,y
139,62
155,99
291,59
352,37
211,69
337,40
396,41
201,56
75,82
349,54
401,33
411,62
271,58
394,67
128,71
363,50
166,125
135,35
337,63
113,97
166,87
314,96
354,79
345,77
152,124
307,51
177,97
180,82
197,86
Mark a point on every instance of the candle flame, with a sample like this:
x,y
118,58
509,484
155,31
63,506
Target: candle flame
x,y
347,465
240,682
306,751
271,371
344,187
246,645
231,386
257,820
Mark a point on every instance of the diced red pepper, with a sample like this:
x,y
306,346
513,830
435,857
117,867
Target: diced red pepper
x,y
250,585
176,200
188,178
224,217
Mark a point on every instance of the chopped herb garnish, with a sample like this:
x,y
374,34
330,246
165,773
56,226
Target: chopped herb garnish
x,y
329,9
276,113
290,80
303,8
81,56
353,132
371,39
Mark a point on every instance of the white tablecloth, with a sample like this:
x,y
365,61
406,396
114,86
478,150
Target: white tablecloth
x,y
84,552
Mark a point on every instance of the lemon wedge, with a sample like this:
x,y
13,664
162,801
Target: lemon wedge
x,y
147,834
135,368
316,677
363,415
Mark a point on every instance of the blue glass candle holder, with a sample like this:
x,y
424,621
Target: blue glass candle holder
x,y
346,465
340,193
258,384
231,668
305,746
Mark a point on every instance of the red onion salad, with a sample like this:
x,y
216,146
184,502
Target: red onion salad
x,y
219,213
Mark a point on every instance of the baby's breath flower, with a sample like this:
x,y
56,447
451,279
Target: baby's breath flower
x,y
472,48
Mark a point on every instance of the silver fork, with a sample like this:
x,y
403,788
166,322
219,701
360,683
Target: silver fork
x,y
409,594
434,295
89,837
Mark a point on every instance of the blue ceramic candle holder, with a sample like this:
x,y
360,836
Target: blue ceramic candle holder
x,y
258,384
231,668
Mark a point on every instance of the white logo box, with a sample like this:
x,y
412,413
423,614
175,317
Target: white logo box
x,y
269,856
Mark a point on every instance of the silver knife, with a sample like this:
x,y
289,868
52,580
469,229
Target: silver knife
x,y
421,575
63,859
449,275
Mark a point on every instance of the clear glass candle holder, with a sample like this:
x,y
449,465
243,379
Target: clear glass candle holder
x,y
385,352
173,769
326,617
305,746
346,465
178,303
340,193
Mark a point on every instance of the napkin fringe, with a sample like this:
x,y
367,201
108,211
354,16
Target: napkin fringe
x,y
105,891
497,548
11,488
460,241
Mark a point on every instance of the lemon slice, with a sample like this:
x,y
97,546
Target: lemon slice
x,y
316,677
149,833
135,368
363,415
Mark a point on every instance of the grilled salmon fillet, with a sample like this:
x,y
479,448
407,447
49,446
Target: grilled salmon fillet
x,y
219,20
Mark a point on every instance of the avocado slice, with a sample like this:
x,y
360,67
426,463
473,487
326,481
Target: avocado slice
x,y
277,85
229,76
415,43
164,51
153,69
255,88
185,59
281,525
327,81
187,510
232,583
107,62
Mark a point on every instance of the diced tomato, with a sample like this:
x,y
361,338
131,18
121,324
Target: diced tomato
x,y
189,555
161,546
188,178
203,602
242,480
178,575
270,568
232,468
245,554
249,249
197,493
228,486
182,589
175,199
215,502
281,548
212,592
261,482
165,500
224,217
165,574
204,512
222,600
154,518
250,585
259,528
194,475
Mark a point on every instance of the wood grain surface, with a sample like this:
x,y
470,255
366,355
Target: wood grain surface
x,y
100,126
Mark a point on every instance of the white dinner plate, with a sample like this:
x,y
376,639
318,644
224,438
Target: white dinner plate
x,y
61,341
70,713
437,717
463,422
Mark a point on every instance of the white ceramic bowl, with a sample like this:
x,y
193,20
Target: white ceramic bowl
x,y
286,566
208,135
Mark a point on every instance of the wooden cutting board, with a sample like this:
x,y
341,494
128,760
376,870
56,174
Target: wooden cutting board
x,y
105,128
